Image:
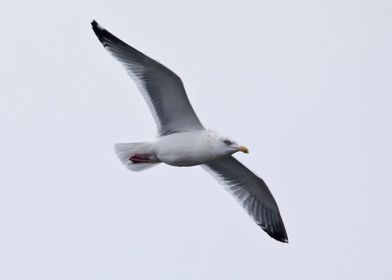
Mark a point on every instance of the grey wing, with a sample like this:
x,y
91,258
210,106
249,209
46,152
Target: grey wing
x,y
252,193
162,89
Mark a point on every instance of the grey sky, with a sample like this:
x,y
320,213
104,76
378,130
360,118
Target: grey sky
x,y
306,85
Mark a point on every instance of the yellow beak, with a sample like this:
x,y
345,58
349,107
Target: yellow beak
x,y
244,149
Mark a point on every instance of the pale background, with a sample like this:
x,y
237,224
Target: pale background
x,y
306,85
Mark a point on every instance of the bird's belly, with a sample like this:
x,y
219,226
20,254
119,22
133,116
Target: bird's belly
x,y
184,155
184,149
179,158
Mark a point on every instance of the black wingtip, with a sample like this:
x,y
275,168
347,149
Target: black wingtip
x,y
96,27
283,240
94,24
279,235
98,30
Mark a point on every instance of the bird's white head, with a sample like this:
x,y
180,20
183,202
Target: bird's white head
x,y
225,145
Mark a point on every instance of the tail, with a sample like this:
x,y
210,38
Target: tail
x,y
136,156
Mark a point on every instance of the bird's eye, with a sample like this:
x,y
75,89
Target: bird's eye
x,y
227,142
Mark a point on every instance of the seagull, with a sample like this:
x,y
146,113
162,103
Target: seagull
x,y
182,139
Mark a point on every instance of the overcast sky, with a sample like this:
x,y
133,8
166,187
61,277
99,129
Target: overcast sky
x,y
306,85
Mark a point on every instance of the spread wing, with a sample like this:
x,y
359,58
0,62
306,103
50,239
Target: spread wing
x,y
252,193
162,88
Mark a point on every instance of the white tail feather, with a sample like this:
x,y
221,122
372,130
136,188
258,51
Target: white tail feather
x,y
124,151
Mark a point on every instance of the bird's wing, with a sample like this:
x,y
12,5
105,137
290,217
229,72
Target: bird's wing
x,y
162,88
252,193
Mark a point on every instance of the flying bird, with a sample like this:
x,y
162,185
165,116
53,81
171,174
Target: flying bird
x,y
184,141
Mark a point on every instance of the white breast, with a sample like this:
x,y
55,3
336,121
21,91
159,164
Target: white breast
x,y
186,148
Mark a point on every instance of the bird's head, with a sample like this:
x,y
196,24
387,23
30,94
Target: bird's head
x,y
227,146
232,147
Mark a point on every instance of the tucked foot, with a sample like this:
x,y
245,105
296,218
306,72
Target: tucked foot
x,y
140,158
